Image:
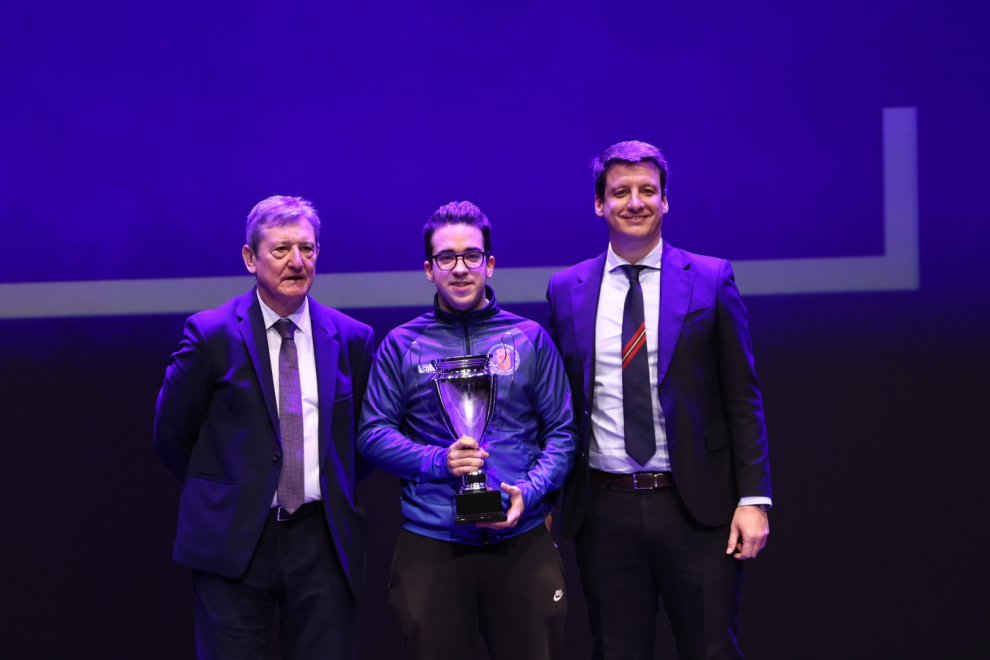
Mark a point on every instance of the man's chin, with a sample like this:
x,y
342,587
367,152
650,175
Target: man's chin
x,y
293,296
460,303
295,288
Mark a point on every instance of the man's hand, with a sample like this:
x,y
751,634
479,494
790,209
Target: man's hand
x,y
516,507
749,530
465,456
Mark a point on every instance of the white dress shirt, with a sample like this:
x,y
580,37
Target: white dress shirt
x,y
608,444
303,337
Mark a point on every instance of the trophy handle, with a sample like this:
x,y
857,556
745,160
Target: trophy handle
x,y
419,390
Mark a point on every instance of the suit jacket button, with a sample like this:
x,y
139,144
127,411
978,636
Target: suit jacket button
x,y
277,457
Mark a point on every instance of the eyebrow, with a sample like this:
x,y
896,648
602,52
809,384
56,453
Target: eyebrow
x,y
466,250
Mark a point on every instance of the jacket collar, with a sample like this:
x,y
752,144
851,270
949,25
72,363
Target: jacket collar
x,y
458,318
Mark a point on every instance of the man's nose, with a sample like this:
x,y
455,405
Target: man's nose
x,y
460,267
295,258
635,201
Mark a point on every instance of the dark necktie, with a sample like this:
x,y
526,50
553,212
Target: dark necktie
x,y
637,391
291,489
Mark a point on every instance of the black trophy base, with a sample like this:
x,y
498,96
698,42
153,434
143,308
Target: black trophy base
x,y
479,506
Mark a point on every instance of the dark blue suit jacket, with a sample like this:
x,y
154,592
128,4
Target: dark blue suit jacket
x,y
707,383
217,430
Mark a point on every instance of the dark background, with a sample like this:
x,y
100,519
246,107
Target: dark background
x,y
136,137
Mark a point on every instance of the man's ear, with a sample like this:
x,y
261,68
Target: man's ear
x,y
490,268
248,255
666,206
428,267
599,206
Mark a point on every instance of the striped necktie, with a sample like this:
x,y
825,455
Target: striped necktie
x,y
637,391
291,487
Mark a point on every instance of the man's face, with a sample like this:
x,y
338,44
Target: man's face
x,y
285,265
634,204
461,289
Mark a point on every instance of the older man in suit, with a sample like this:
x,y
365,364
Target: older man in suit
x,y
672,484
256,418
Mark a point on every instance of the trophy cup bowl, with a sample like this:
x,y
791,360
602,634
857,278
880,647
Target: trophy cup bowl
x,y
465,389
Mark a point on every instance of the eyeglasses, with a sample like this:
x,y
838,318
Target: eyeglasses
x,y
448,261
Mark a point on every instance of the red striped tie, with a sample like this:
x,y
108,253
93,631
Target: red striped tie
x,y
637,390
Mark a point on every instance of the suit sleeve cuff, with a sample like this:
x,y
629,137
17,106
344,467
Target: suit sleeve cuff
x,y
754,501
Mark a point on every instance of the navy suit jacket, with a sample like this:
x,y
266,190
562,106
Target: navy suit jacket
x,y
707,384
217,430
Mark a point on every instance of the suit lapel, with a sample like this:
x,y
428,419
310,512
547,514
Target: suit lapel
x,y
676,284
252,327
584,304
326,350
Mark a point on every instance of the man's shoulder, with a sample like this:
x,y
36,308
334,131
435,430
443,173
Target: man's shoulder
x,y
697,262
343,323
405,334
579,271
528,327
508,318
227,313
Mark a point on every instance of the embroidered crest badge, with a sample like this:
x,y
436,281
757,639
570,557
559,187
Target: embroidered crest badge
x,y
503,360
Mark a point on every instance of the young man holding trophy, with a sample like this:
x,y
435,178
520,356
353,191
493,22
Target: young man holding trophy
x,y
470,405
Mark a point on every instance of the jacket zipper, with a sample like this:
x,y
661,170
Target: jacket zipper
x,y
468,351
467,338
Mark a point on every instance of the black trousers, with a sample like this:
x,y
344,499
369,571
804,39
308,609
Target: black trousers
x,y
635,547
294,571
511,592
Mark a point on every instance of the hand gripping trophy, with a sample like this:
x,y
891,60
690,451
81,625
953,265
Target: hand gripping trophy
x,y
465,389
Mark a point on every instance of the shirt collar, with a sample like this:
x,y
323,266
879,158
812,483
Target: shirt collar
x,y
651,260
299,318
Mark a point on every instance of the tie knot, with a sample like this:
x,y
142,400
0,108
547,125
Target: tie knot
x,y
285,328
632,272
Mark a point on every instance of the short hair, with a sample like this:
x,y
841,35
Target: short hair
x,y
278,211
457,213
630,152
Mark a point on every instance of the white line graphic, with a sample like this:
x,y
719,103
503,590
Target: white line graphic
x,y
897,269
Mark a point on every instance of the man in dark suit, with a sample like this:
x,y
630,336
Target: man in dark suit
x,y
256,418
671,486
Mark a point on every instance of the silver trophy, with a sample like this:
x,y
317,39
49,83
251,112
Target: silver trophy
x,y
465,388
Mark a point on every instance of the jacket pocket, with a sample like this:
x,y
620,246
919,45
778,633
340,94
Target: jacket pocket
x,y
697,315
717,437
212,479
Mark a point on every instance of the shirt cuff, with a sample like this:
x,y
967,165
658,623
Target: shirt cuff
x,y
753,501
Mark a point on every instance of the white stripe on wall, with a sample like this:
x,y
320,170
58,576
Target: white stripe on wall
x,y
896,270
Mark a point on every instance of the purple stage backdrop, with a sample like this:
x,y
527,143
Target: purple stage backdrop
x,y
136,137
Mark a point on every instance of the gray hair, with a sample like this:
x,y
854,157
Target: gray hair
x,y
277,211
